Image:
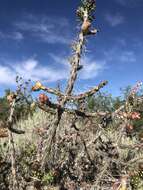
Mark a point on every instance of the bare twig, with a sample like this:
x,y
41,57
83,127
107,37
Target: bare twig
x,y
10,120
12,144
13,162
101,174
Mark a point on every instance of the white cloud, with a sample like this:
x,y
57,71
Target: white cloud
x,y
32,69
115,19
92,68
30,64
7,76
60,60
122,56
128,56
18,36
29,69
45,29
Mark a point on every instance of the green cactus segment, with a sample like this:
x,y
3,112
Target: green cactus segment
x,y
88,5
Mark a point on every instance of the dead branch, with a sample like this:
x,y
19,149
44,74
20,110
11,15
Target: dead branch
x,y
10,119
101,174
76,97
13,162
51,108
76,59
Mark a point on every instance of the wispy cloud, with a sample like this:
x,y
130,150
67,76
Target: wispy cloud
x,y
92,68
128,56
120,56
7,76
18,36
29,69
122,2
114,19
129,3
49,30
32,69
121,41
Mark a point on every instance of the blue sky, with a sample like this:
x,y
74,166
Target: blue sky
x,y
35,38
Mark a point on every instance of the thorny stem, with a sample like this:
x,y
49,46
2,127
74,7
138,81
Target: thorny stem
x,y
75,63
12,149
50,138
10,120
68,91
13,162
99,177
52,107
84,143
76,97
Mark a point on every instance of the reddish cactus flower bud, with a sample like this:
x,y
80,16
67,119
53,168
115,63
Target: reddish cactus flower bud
x,y
40,131
3,133
129,128
43,99
134,116
11,97
85,26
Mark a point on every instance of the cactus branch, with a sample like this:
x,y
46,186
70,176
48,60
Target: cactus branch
x,y
13,162
52,109
76,61
76,97
90,92
10,120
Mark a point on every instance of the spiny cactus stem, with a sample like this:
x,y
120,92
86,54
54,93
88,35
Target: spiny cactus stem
x,y
13,162
10,120
52,107
76,97
12,144
53,91
75,63
90,92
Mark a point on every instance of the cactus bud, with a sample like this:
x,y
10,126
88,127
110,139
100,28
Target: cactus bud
x,y
11,97
43,99
38,86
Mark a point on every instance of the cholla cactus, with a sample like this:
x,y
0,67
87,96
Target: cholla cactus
x,y
109,142
85,15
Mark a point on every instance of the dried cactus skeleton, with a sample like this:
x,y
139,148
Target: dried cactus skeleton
x,y
8,129
85,13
